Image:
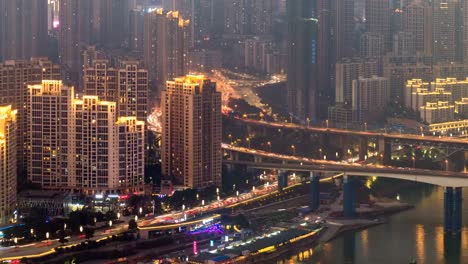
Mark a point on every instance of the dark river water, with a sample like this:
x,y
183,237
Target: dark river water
x,y
416,234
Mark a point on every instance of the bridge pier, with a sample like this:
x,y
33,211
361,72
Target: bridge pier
x,y
314,190
282,180
385,149
344,146
363,148
349,196
257,159
324,142
465,161
234,155
229,168
452,210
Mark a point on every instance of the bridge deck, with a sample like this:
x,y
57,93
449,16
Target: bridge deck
x,y
405,137
441,178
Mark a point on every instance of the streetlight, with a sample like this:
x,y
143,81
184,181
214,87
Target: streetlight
x,y
31,231
198,196
269,145
110,223
81,229
326,121
140,210
47,235
118,215
183,207
64,226
248,141
293,149
414,162
218,198
446,164
365,126
237,193
308,122
203,202
233,186
217,190
136,218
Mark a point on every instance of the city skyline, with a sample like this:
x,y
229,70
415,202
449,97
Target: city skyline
x,y
270,125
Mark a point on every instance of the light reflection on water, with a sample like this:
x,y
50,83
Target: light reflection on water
x,y
420,243
416,234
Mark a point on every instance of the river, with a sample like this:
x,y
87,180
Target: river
x,y
416,234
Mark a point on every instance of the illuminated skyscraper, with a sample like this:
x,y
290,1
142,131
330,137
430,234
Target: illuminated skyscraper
x,y
50,125
348,70
101,80
302,66
131,154
133,91
465,31
7,163
445,30
136,30
237,17
370,97
415,22
74,34
378,19
344,27
109,154
262,17
81,144
23,29
166,41
191,132
113,22
126,85
15,76
325,56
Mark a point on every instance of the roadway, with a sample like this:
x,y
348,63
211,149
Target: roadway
x,y
440,178
403,137
166,221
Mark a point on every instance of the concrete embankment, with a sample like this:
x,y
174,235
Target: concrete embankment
x,y
337,226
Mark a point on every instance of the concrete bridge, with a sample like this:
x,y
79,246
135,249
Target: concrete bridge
x,y
384,142
452,181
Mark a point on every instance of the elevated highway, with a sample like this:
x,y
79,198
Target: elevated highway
x,y
337,131
294,163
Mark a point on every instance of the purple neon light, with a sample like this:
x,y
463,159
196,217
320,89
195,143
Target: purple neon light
x,y
216,228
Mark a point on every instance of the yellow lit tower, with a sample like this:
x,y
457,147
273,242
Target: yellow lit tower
x,y
191,132
7,162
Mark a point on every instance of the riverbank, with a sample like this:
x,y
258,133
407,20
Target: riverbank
x,y
368,217
337,227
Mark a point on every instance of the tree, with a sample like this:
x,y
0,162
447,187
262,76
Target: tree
x,y
132,224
